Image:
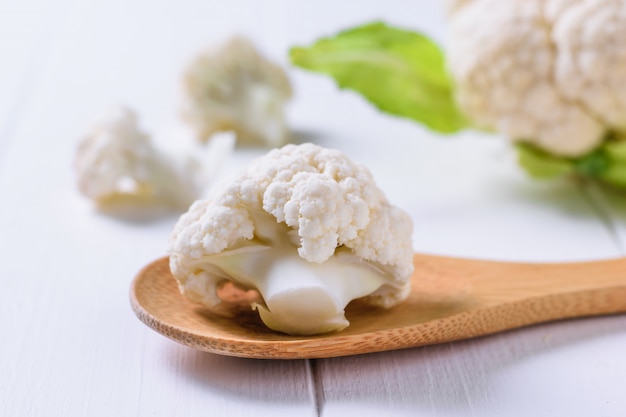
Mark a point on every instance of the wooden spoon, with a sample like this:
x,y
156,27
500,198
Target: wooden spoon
x,y
452,299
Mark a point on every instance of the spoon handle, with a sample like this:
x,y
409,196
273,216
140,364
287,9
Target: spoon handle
x,y
502,295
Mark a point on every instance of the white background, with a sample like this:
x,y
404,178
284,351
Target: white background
x,y
71,345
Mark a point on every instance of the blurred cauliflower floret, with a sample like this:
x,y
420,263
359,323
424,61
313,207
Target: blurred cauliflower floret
x,y
232,87
117,163
551,73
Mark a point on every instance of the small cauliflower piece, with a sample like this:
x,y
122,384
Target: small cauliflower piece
x,y
305,227
545,72
232,87
118,163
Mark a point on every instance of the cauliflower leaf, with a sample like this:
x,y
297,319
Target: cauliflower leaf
x,y
606,164
401,72
541,165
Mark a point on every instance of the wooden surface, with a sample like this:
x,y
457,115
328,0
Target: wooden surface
x,y
451,299
71,345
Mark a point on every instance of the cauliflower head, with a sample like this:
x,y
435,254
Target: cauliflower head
x,y
304,226
232,87
546,72
117,164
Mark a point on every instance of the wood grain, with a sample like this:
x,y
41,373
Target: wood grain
x,y
452,299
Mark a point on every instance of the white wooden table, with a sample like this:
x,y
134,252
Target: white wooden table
x,y
71,345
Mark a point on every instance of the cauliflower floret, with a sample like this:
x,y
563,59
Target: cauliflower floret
x,y
232,87
308,229
591,60
542,71
117,163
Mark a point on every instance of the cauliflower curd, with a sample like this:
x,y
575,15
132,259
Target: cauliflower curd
x,y
117,163
547,72
306,227
232,87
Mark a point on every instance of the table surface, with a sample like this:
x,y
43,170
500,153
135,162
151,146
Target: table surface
x,y
71,346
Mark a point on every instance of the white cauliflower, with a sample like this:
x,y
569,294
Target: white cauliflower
x,y
118,163
308,229
591,63
547,72
232,87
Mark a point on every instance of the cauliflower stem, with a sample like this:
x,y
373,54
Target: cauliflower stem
x,y
299,297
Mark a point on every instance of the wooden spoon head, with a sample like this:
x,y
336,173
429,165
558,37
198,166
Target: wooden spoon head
x,y
451,300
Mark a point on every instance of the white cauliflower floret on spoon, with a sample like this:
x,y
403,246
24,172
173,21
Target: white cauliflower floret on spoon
x,y
232,87
305,227
117,163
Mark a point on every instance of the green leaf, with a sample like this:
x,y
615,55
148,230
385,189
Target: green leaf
x,y
594,164
541,165
616,150
401,72
615,174
606,164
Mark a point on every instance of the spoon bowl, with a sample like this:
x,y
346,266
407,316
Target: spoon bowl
x,y
451,299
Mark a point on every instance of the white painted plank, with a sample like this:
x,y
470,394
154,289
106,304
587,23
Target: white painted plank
x,y
24,38
611,204
75,347
575,368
